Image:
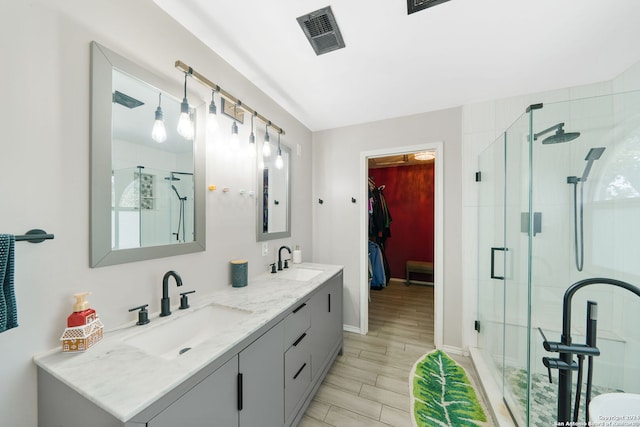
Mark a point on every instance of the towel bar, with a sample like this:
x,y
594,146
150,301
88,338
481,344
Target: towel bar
x,y
34,236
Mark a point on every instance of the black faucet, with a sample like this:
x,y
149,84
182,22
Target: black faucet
x,y
165,303
280,257
566,349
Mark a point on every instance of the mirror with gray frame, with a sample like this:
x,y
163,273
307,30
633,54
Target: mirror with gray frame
x,y
146,191
274,197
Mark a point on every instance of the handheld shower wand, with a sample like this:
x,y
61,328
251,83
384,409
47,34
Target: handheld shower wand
x,y
578,222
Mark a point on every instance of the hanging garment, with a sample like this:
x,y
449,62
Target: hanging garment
x,y
379,216
378,278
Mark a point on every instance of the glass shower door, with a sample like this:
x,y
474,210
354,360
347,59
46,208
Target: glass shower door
x,y
516,270
503,282
490,325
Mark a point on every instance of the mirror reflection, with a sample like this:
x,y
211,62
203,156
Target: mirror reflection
x,y
145,176
274,210
152,182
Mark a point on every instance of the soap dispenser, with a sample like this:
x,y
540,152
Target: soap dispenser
x,y
82,314
84,328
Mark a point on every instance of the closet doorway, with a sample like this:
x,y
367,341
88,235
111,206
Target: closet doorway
x,y
402,222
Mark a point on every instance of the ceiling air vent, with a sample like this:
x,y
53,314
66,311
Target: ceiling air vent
x,y
126,100
321,29
417,5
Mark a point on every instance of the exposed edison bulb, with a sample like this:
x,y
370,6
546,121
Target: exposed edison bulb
x,y
185,126
252,149
212,123
266,148
279,161
212,117
234,141
159,133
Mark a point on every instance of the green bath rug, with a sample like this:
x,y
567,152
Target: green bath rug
x,y
441,394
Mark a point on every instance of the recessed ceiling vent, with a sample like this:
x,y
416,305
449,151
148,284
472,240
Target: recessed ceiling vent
x,y
321,29
417,5
126,100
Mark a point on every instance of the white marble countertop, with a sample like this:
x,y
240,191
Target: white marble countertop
x,y
113,373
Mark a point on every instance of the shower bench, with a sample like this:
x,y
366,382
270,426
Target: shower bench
x,y
424,267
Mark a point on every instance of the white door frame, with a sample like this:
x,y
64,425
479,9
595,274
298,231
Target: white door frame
x,y
438,233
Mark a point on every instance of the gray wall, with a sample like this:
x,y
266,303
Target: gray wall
x,y
336,178
44,164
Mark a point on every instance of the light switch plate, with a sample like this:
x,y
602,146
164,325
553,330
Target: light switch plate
x,y
265,248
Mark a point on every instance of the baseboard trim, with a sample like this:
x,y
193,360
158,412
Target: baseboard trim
x,y
453,350
354,329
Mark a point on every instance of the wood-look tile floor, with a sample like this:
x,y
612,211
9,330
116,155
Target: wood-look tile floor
x,y
368,385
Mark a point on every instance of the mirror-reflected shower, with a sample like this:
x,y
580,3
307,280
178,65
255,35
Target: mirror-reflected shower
x,y
147,201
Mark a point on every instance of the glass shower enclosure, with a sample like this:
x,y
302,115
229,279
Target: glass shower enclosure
x,y
559,201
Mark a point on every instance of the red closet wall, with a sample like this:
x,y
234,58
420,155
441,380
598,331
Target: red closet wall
x,y
409,192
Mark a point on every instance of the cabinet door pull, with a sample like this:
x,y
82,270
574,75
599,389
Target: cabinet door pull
x,y
329,295
240,397
295,344
299,308
299,370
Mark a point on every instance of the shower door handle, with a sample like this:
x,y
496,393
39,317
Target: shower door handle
x,y
493,258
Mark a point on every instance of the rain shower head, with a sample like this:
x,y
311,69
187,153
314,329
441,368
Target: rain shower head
x,y
593,155
559,137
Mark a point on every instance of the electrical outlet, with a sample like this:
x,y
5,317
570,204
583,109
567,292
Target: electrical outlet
x,y
265,248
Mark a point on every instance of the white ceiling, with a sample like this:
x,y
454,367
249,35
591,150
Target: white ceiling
x,y
395,64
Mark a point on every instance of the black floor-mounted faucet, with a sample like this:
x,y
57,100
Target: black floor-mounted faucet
x,y
565,364
165,303
280,257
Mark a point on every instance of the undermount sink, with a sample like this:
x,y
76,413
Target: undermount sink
x,y
177,335
300,274
615,407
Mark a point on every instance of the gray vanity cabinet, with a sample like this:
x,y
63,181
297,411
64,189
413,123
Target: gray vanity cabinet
x,y
268,379
326,324
261,368
211,402
240,392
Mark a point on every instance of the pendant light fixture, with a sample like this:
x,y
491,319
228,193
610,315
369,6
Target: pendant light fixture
x,y
212,119
279,161
235,142
185,126
266,146
226,96
252,138
159,133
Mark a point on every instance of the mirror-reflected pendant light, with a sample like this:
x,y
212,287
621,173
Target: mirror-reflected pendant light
x,y
212,118
252,138
185,126
159,133
279,161
266,146
235,141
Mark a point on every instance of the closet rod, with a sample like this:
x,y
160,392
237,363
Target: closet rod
x,y
205,81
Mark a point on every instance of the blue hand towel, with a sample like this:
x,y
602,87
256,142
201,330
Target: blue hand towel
x,y
8,309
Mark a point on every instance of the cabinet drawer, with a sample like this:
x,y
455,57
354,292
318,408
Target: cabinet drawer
x,y
297,373
296,323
